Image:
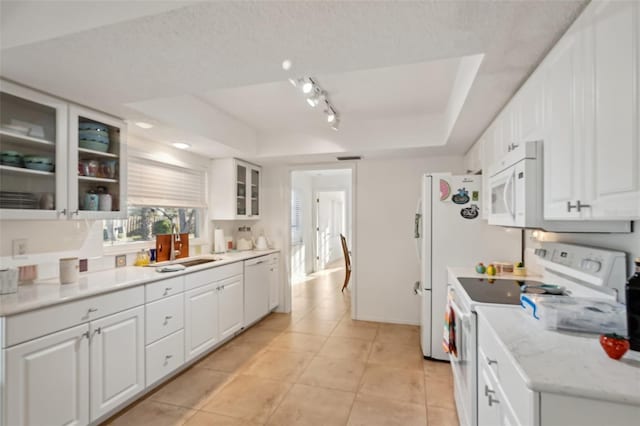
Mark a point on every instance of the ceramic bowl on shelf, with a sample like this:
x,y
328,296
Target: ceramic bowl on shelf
x,y
93,135
96,146
36,162
11,158
92,125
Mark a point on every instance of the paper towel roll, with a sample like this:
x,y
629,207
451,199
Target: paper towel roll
x,y
219,241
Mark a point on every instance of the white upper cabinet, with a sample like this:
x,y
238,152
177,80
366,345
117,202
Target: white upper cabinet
x,y
583,102
97,165
58,160
33,149
612,154
236,190
562,76
591,138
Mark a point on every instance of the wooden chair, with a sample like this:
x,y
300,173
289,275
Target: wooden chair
x,y
347,261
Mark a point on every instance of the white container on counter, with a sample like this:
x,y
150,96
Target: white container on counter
x,y
8,281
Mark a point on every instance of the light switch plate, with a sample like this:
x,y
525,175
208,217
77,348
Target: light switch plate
x,y
20,248
121,260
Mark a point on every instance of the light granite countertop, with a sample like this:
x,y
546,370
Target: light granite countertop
x,y
43,293
467,272
563,362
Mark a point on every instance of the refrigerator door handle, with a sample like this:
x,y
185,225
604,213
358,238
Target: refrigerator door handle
x,y
416,230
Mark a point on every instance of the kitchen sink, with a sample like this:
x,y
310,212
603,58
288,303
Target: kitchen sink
x,y
194,262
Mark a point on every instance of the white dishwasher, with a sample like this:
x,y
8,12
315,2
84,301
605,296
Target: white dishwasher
x,y
256,289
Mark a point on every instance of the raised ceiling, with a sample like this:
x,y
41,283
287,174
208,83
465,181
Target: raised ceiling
x,y
210,73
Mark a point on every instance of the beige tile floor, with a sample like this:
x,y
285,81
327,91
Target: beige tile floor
x,y
315,366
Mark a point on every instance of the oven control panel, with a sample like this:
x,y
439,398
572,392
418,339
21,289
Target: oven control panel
x,y
595,266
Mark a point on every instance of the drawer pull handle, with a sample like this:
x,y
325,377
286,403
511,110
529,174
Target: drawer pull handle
x,y
85,334
168,356
488,391
97,331
166,319
166,291
491,361
492,401
92,310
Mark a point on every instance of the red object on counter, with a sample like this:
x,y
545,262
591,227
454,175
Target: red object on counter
x,y
615,346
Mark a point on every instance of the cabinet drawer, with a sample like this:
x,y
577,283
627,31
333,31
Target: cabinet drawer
x,y
200,278
493,356
164,288
164,356
164,317
29,325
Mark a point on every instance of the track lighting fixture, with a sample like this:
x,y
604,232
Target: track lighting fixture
x,y
314,96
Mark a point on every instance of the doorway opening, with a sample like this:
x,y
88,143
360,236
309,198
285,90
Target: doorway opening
x,y
321,211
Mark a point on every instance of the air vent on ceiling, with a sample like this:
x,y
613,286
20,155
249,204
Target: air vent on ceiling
x,y
348,158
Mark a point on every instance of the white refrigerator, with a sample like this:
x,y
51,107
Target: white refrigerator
x,y
449,231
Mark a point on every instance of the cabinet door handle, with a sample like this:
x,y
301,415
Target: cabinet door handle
x,y
62,212
167,318
97,331
167,290
491,361
492,401
259,262
92,310
85,334
572,206
581,206
488,391
168,356
76,212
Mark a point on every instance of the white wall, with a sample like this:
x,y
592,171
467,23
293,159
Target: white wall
x,y
385,257
384,261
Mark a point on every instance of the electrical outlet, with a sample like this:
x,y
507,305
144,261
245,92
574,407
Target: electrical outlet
x,y
121,260
20,248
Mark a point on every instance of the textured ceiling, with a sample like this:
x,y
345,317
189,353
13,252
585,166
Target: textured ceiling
x,y
203,48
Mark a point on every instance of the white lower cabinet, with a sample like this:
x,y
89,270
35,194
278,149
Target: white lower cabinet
x,y
201,319
117,360
493,406
47,380
231,306
114,346
164,356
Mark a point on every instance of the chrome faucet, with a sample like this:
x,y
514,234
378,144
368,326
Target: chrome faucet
x,y
174,237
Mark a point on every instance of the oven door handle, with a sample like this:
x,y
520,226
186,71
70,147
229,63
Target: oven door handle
x,y
460,318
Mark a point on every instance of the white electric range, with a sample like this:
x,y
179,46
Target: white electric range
x,y
582,271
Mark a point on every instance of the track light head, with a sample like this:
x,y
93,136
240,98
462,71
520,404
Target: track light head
x,y
307,87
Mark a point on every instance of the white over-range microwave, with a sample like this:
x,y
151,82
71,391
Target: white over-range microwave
x,y
516,187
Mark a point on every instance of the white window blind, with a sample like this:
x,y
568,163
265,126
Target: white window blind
x,y
296,217
152,183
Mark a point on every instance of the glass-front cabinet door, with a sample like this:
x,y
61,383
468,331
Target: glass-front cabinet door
x,y
97,166
33,154
255,192
241,189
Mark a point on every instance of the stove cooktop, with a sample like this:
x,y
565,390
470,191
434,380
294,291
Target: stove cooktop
x,y
496,290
